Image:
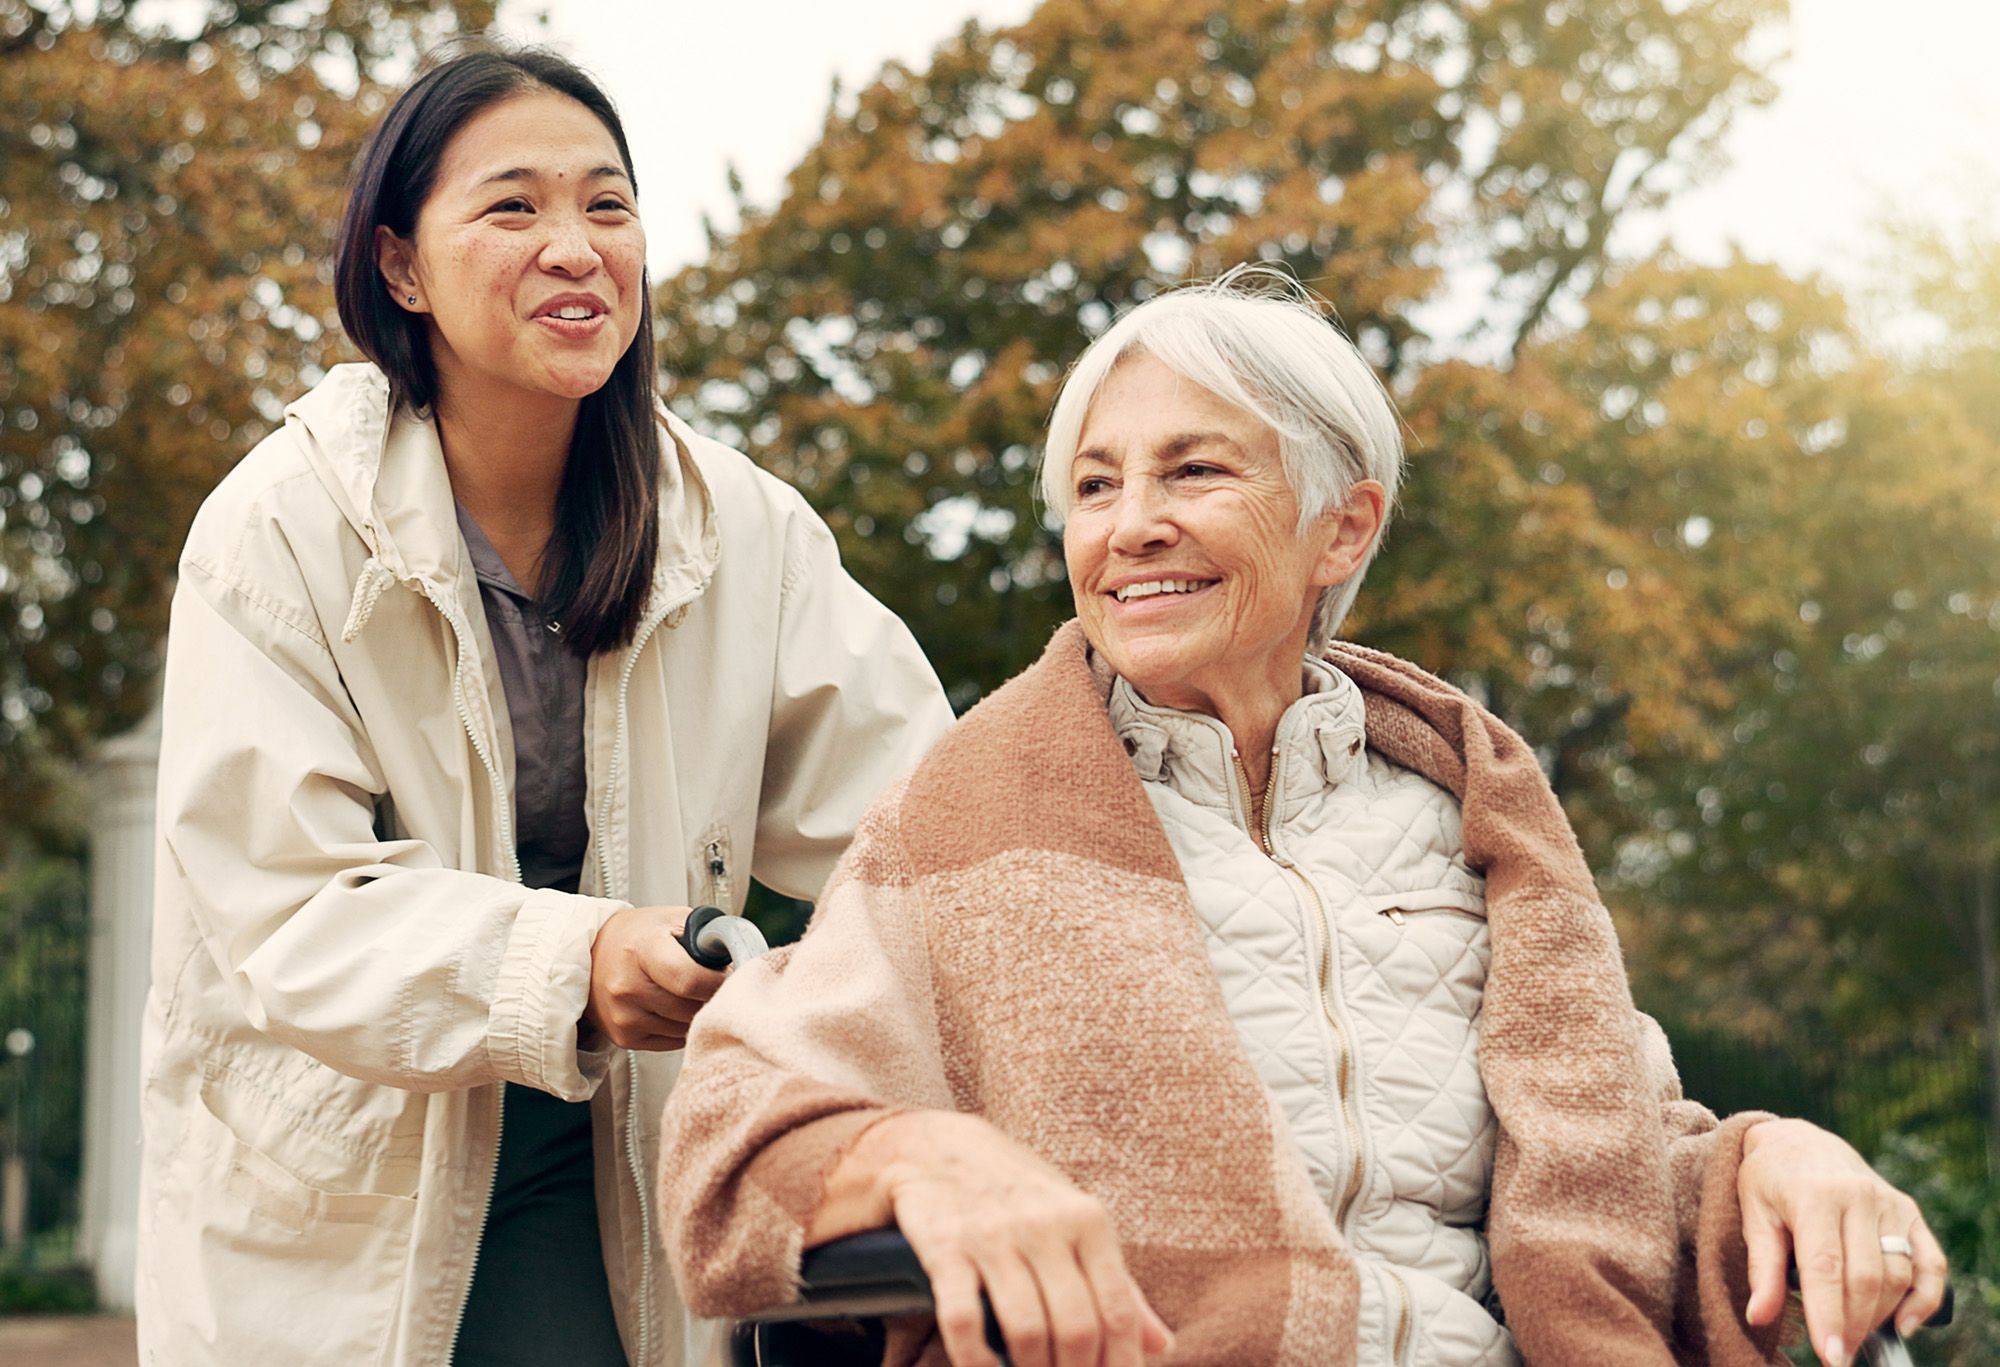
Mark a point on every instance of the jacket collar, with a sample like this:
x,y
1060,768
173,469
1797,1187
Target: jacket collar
x,y
1322,737
384,467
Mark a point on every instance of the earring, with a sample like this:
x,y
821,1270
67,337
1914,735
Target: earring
x,y
412,298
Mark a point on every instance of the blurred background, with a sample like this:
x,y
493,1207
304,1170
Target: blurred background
x,y
1692,308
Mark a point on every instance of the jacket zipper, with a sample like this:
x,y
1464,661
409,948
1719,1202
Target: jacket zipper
x,y
1266,836
633,1161
502,806
1259,831
607,886
1402,1338
479,1230
1401,917
503,811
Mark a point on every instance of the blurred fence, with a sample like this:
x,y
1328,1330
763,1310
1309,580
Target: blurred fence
x,y
1937,1091
44,979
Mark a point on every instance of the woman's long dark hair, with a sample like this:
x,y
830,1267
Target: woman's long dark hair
x,y
599,562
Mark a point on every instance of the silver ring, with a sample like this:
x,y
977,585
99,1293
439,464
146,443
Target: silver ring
x,y
1898,1246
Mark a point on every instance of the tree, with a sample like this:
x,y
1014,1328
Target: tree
x,y
1962,286
167,202
1832,865
1596,539
891,335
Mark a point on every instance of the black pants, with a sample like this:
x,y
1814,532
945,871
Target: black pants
x,y
539,1294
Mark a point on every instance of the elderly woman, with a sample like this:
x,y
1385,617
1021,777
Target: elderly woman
x,y
1219,992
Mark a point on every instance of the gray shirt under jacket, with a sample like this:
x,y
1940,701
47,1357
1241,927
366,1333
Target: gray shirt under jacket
x,y
539,1291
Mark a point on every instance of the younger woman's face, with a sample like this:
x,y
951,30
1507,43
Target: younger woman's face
x,y
528,258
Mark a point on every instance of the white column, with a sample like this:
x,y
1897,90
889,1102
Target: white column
x,y
121,924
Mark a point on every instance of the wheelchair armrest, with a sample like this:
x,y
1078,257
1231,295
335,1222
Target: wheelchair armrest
x,y
863,1275
860,1279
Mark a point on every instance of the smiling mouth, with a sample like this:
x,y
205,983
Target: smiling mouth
x,y
1154,588
575,312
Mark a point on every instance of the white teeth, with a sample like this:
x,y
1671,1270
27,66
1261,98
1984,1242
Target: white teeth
x,y
1154,586
575,313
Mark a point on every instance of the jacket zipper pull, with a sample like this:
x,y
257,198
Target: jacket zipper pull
x,y
718,874
1394,915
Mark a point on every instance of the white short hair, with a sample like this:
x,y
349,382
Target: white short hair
x,y
1264,342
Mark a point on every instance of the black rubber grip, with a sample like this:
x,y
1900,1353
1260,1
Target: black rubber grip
x,y
880,1259
699,917
879,1263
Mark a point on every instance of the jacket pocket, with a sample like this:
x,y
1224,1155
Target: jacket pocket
x,y
265,1186
1402,907
254,1263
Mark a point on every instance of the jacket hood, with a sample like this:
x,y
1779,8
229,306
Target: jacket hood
x,y
383,466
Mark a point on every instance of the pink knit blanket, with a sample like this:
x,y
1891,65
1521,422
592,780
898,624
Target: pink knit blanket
x,y
1009,935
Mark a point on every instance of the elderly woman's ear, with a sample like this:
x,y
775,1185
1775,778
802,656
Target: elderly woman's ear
x,y
1350,530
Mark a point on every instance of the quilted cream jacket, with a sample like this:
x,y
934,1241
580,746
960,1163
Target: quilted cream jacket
x,y
346,967
1349,937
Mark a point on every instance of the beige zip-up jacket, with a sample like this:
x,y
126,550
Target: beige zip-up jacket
x,y
345,965
1348,936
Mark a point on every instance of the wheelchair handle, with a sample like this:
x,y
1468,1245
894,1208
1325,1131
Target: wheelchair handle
x,y
715,939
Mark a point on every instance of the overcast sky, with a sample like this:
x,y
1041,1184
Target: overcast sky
x,y
1889,106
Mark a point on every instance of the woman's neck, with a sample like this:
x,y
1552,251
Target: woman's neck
x,y
1253,725
1249,696
505,460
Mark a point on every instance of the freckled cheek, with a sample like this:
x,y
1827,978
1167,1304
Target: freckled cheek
x,y
486,272
627,255
498,272
628,270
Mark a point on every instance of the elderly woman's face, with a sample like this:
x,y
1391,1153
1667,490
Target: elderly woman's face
x,y
1190,573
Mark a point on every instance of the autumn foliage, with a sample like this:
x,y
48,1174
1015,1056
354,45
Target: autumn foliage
x,y
167,205
1732,565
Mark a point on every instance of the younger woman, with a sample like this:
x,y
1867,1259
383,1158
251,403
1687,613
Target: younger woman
x,y
482,669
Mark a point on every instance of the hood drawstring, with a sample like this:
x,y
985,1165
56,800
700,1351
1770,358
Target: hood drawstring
x,y
368,589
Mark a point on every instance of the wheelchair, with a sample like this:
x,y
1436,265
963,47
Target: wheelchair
x,y
848,1287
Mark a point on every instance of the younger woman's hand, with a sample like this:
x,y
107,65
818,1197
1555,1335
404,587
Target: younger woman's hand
x,y
644,989
1807,1195
982,1212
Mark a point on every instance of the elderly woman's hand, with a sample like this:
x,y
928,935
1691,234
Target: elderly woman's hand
x,y
981,1211
1806,1194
